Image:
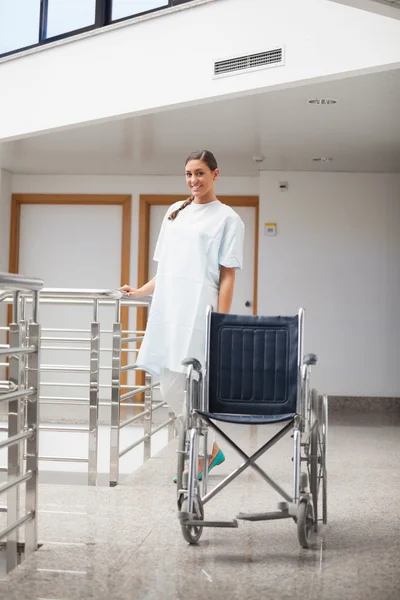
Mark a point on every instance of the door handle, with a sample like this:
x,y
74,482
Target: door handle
x,y
247,303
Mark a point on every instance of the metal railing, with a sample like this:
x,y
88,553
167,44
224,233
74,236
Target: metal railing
x,y
73,297
146,414
21,391
78,340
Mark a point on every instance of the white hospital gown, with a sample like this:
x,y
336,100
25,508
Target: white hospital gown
x,y
189,252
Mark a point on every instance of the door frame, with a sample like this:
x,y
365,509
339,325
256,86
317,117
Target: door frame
x,y
123,200
145,203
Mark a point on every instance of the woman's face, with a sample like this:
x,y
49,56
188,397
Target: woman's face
x,y
199,178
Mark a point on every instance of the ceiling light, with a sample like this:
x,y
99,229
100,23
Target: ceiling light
x,y
323,159
322,101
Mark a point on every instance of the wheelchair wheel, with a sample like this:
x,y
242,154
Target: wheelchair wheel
x,y
191,533
314,481
324,431
305,523
316,458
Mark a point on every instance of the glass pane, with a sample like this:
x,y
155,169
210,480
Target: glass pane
x,y
19,24
129,8
63,17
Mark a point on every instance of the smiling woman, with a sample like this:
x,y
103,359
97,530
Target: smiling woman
x,y
198,251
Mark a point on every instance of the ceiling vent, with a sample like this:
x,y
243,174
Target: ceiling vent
x,y
251,62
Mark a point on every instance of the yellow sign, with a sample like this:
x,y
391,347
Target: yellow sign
x,y
269,228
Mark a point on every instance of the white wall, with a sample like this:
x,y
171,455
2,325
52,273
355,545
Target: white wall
x,y
336,253
168,60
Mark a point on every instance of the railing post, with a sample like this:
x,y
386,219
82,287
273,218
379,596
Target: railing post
x,y
32,444
14,427
94,395
115,398
23,375
148,418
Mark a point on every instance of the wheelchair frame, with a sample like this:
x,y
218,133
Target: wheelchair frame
x,y
310,424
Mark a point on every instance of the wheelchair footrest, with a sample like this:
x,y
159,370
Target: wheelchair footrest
x,y
269,516
233,523
188,522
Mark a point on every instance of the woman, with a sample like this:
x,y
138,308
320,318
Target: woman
x,y
199,248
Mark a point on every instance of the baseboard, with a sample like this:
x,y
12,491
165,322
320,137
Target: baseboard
x,y
364,404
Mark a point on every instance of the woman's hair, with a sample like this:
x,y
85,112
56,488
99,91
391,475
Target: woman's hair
x,y
205,156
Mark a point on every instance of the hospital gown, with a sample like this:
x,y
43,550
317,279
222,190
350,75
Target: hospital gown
x,y
189,252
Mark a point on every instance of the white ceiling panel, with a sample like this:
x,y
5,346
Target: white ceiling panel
x,y
361,132
386,8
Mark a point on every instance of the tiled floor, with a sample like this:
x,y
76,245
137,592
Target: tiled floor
x,y
73,444
125,543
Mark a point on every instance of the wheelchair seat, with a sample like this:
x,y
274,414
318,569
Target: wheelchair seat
x,y
248,419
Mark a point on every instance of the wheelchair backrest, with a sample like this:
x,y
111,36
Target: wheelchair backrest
x,y
252,364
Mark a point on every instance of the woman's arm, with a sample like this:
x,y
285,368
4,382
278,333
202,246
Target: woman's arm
x,y
145,290
226,285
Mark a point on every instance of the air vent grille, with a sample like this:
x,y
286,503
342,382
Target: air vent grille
x,y
262,60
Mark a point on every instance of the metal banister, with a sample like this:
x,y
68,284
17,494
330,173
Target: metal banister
x,y
125,342
19,283
88,294
64,293
21,392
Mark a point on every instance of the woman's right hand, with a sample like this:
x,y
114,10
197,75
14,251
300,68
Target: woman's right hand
x,y
145,290
127,290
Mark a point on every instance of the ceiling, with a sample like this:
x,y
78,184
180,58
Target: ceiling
x,y
361,133
387,8
394,3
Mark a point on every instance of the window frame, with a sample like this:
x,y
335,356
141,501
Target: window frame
x,y
103,17
99,21
141,14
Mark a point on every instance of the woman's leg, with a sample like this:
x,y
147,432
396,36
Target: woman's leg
x,y
172,386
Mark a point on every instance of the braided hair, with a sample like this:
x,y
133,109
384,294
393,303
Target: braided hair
x,y
205,156
175,213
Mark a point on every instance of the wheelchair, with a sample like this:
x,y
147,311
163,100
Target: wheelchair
x,y
255,373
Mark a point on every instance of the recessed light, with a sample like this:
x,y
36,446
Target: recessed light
x,y
323,159
322,101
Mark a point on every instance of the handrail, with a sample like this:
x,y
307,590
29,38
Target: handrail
x,y
19,282
69,293
81,296
88,294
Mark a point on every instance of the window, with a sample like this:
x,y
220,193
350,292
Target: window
x,y
64,17
129,8
19,24
28,23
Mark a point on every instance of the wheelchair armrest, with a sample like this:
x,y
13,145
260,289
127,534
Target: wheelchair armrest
x,y
194,362
310,359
